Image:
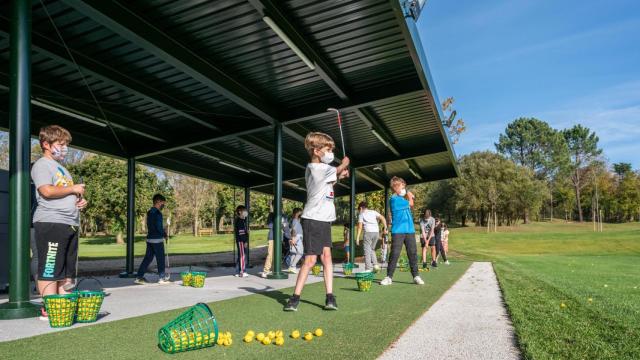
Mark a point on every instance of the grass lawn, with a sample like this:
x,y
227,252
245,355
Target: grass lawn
x,y
542,266
363,328
105,247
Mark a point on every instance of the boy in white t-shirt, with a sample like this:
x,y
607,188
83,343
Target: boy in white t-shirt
x,y
318,213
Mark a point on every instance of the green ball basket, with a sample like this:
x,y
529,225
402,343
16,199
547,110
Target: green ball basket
x,y
61,309
347,269
197,279
194,329
315,270
186,278
364,281
89,303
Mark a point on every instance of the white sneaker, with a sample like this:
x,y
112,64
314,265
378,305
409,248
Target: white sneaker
x,y
164,281
292,270
264,274
418,280
237,275
244,274
447,262
386,281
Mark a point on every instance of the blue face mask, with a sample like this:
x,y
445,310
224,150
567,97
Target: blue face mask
x,y
59,152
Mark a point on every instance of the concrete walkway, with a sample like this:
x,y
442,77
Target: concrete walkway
x,y
468,322
127,300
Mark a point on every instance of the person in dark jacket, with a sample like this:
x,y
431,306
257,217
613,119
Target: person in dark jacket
x,y
156,236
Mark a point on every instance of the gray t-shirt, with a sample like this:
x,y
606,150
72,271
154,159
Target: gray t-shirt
x,y
427,224
46,171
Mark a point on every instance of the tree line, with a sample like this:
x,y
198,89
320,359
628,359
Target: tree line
x,y
537,172
542,173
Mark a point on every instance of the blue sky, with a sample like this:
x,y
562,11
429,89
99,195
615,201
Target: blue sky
x,y
564,62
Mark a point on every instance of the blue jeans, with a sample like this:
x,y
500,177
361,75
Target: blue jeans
x,y
153,249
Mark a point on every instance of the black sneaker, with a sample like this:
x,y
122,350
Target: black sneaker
x,y
424,265
330,303
292,304
434,264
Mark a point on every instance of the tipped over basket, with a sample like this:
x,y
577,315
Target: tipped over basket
x,y
196,328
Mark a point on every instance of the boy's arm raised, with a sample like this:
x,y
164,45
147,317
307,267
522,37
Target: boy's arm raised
x,y
344,165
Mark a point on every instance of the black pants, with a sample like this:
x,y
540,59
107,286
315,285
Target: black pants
x,y
409,242
242,256
440,250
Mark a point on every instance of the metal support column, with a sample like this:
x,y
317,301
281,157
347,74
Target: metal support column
x,y
352,217
277,205
386,203
19,306
131,216
247,204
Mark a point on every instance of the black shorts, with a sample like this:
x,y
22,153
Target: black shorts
x,y
316,236
423,242
432,242
57,246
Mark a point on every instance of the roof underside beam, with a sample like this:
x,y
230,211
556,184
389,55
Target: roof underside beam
x,y
376,96
97,69
120,19
327,72
67,103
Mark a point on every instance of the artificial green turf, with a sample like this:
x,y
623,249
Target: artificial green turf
x,y
541,266
362,328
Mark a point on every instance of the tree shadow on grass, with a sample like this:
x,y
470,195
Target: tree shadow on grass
x,y
277,295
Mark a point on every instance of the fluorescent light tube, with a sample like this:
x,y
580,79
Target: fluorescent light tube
x,y
61,110
415,173
234,166
288,41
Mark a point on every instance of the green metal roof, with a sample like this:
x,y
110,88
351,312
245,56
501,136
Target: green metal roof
x,y
193,86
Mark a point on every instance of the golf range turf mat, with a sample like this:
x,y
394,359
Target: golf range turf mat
x,y
363,327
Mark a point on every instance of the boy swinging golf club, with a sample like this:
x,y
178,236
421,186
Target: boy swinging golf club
x,y
318,214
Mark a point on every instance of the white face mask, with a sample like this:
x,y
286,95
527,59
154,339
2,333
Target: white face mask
x,y
403,192
59,152
244,214
327,158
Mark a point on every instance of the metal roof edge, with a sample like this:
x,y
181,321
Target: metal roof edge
x,y
414,44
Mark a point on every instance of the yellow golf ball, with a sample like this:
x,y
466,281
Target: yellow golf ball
x,y
251,333
260,337
280,341
308,336
318,332
295,334
266,341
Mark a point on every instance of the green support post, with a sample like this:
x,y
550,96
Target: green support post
x,y
352,218
386,206
19,306
247,204
131,217
277,206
